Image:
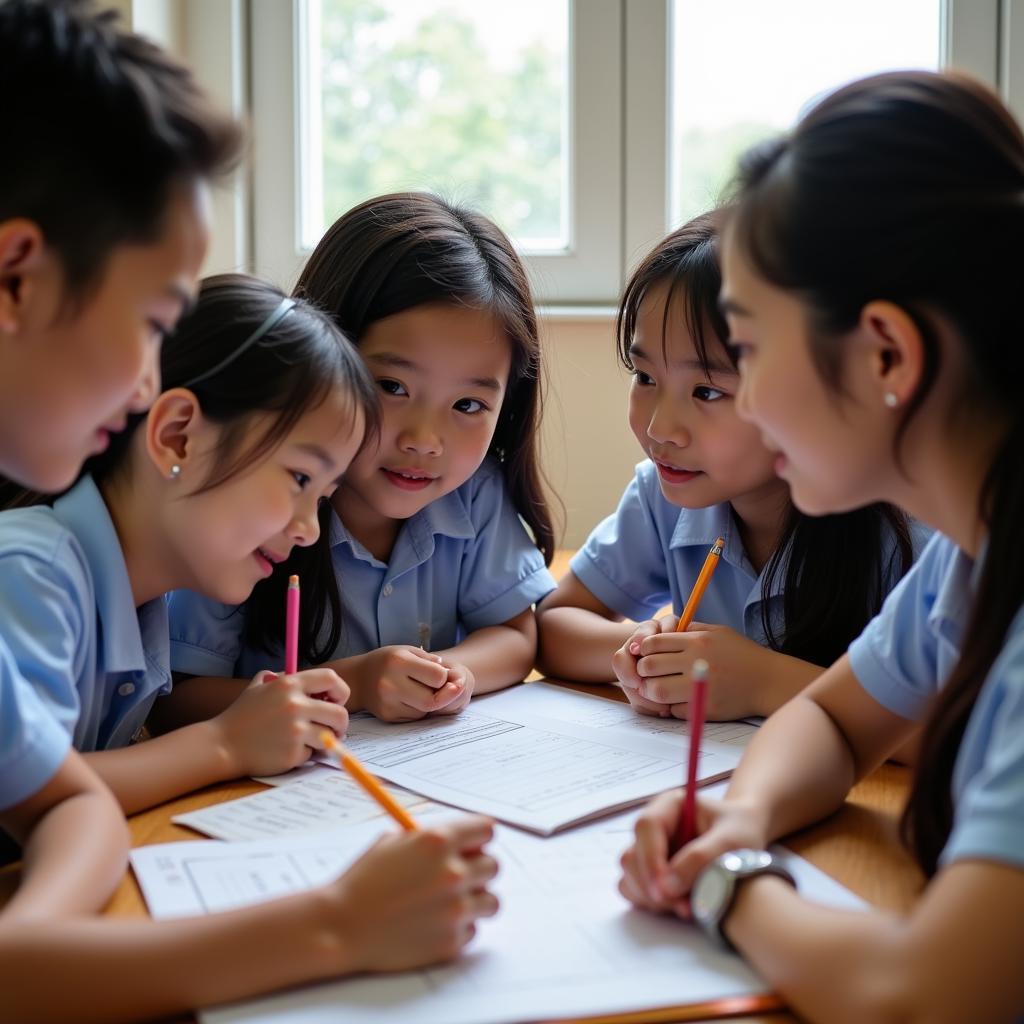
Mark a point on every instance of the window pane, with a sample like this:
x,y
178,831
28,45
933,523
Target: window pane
x,y
464,98
745,69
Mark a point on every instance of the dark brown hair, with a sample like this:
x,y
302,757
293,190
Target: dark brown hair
x,y
837,572
100,126
909,187
398,251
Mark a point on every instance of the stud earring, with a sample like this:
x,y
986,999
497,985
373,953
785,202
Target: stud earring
x,y
891,399
175,472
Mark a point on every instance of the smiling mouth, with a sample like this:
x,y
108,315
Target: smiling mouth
x,y
674,475
407,479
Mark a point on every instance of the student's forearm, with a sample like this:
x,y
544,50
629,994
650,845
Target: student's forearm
x,y
193,699
796,771
497,655
578,644
833,966
162,768
129,970
75,846
780,678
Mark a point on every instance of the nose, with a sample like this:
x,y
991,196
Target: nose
x,y
742,404
148,385
419,435
666,425
304,529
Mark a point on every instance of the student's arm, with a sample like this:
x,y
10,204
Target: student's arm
x,y
578,634
410,901
797,770
75,846
273,726
499,655
956,958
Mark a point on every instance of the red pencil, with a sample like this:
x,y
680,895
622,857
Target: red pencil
x,y
291,627
698,701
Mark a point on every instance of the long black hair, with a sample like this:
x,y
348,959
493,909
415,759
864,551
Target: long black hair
x,y
909,187
394,252
836,569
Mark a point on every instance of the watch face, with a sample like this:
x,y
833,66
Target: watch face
x,y
709,892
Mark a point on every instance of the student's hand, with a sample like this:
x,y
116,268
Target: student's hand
x,y
412,899
739,679
275,723
460,684
656,878
400,683
624,664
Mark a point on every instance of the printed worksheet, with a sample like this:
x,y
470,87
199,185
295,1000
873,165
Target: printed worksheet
x,y
315,802
542,773
552,701
561,945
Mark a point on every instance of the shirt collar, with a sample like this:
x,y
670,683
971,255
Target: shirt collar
x,y
83,511
447,516
701,527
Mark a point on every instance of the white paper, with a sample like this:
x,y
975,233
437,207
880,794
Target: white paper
x,y
564,944
526,767
314,802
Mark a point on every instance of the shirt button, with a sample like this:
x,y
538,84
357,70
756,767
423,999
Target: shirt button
x,y
388,589
126,689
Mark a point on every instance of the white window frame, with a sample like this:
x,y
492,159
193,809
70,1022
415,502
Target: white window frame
x,y
620,114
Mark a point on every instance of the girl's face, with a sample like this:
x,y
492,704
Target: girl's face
x,y
229,538
71,375
442,371
685,420
834,449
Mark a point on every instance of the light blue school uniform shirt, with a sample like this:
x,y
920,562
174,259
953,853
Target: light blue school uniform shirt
x,y
70,621
463,562
32,743
906,654
649,552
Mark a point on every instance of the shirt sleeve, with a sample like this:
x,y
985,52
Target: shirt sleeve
x,y
502,572
895,659
624,561
206,635
44,605
989,822
33,744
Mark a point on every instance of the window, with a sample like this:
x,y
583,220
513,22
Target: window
x,y
585,128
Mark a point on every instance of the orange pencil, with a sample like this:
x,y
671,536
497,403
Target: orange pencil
x,y
368,782
703,579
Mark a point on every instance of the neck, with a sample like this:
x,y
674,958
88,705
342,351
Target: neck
x,y
761,518
131,507
375,532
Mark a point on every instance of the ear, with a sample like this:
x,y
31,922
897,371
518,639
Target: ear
x,y
172,425
895,351
22,253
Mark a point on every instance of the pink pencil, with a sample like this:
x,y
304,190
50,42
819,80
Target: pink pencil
x,y
698,701
291,627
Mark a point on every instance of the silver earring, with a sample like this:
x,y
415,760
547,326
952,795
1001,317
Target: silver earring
x,y
891,399
175,472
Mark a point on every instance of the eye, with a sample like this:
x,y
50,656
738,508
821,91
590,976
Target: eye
x,y
391,387
644,380
158,332
302,479
706,393
469,406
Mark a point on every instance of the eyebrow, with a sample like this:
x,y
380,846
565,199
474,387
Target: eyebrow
x,y
311,448
403,363
727,306
712,366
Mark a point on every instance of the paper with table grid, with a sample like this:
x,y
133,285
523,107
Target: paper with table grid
x,y
525,757
564,944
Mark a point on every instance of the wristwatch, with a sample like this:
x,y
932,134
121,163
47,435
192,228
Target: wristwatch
x,y
714,891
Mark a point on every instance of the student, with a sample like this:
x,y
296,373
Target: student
x,y
266,406
789,593
103,227
885,372
422,585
